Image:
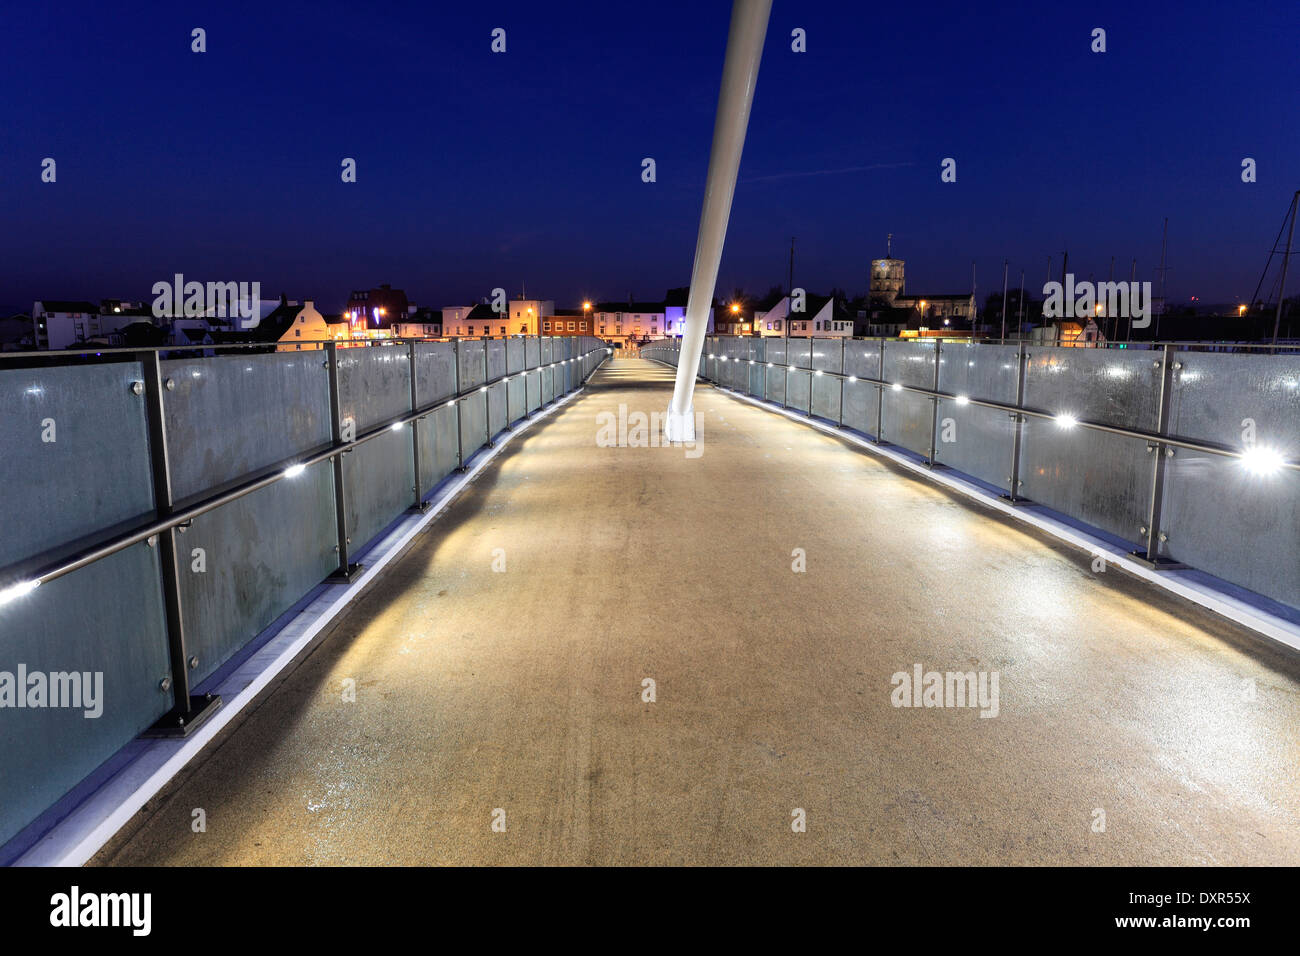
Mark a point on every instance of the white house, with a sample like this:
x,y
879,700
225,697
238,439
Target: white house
x,y
62,323
813,316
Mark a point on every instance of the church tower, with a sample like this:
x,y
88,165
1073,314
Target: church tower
x,y
886,276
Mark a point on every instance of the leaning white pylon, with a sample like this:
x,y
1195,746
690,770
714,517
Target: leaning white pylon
x,y
739,75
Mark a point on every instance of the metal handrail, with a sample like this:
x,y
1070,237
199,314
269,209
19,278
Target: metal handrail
x,y
1137,345
278,346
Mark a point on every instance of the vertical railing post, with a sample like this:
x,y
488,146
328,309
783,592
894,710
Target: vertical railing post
x,y
1155,537
188,711
528,411
1017,425
880,393
785,375
842,380
418,504
487,397
346,568
456,404
934,407
505,383
810,374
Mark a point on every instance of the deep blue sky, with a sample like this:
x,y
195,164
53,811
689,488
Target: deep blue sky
x,y
478,170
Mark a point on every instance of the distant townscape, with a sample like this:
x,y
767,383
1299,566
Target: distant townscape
x,y
886,309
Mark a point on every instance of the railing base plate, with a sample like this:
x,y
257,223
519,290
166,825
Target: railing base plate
x,y
1159,564
182,723
348,573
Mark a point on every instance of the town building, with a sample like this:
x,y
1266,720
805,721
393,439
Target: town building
x,y
821,316
888,292
569,322
377,307
675,313
421,323
16,332
62,323
631,321
734,321
455,319
482,320
528,316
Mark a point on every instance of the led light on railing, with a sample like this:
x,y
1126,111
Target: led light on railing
x,y
293,471
963,400
15,591
819,371
483,389
771,365
397,426
1066,420
853,378
1262,461
897,387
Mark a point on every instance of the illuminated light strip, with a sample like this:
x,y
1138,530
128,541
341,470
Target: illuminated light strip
x,y
80,835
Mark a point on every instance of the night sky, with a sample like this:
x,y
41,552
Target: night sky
x,y
478,170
